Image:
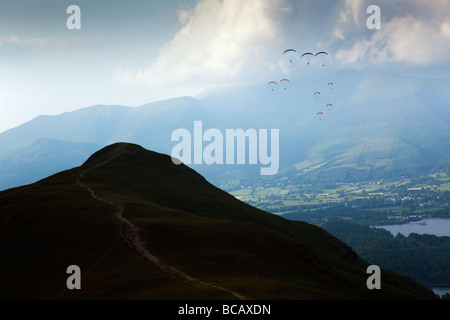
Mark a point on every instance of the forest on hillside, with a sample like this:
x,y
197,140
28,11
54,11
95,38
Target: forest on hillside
x,y
424,258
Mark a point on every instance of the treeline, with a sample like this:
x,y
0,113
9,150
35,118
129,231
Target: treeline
x,y
338,212
424,258
360,212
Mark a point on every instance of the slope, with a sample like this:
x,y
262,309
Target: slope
x,y
126,204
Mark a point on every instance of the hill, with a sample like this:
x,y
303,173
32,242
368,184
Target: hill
x,y
141,227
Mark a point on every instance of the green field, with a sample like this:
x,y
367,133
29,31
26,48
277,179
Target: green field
x,y
281,196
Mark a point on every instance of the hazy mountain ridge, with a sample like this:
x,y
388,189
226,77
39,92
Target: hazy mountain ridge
x,y
41,159
380,123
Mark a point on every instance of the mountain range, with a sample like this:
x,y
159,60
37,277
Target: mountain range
x,y
141,227
379,124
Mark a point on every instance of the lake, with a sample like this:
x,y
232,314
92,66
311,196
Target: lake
x,y
439,227
441,291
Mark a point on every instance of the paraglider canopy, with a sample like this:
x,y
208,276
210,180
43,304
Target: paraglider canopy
x,y
272,85
284,81
319,114
291,53
307,56
289,50
321,57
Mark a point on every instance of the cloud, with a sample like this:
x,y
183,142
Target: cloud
x,y
220,41
445,29
10,40
49,43
38,42
354,11
402,40
416,36
351,19
234,41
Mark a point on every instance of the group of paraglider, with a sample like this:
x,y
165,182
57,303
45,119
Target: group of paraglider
x,y
307,58
274,84
329,105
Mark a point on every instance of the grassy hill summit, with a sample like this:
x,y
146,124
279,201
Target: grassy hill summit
x,y
140,227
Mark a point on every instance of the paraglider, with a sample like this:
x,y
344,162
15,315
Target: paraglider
x,y
329,106
317,99
319,114
307,56
289,50
272,85
290,53
330,95
285,82
330,86
321,57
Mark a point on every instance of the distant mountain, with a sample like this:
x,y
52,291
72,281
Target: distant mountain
x,y
149,124
96,126
379,124
141,227
42,159
389,125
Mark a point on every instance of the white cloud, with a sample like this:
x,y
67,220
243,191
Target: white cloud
x,y
445,29
417,36
354,11
233,41
34,42
10,40
351,19
219,42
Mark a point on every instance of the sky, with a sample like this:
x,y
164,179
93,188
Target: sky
x,y
135,52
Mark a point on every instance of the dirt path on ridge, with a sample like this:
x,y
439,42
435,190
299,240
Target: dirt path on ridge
x,y
133,236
